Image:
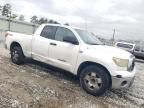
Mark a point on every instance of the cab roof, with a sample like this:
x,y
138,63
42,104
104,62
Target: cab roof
x,y
62,25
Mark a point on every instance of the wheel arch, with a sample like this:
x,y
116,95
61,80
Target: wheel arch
x,y
13,44
88,63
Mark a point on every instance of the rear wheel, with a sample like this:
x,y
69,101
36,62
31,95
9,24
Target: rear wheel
x,y
94,80
17,55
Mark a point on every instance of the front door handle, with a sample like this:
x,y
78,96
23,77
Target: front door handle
x,y
54,44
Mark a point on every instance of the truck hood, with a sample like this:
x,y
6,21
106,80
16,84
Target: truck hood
x,y
109,51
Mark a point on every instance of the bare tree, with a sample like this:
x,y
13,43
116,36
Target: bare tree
x,y
52,21
13,16
6,10
34,19
1,7
66,24
21,18
42,20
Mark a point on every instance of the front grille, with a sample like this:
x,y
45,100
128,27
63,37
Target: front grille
x,y
131,64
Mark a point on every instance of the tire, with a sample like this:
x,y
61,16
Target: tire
x,y
94,80
17,55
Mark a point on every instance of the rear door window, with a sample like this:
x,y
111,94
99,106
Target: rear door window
x,y
49,32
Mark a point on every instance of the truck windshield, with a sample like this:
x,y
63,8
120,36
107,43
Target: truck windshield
x,y
88,38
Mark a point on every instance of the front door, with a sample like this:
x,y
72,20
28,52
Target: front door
x,y
64,55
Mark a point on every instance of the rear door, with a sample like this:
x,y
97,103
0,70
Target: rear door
x,y
63,54
40,43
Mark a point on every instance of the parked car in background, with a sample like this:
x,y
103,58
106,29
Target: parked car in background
x,y
139,52
126,46
99,67
136,50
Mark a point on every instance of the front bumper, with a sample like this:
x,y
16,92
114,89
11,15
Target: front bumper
x,y
121,83
123,80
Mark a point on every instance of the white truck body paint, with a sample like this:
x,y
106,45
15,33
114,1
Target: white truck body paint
x,y
68,56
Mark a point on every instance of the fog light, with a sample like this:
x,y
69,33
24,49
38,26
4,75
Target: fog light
x,y
123,83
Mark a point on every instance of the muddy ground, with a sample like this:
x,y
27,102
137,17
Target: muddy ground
x,y
37,85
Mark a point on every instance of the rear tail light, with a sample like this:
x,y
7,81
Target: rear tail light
x,y
8,34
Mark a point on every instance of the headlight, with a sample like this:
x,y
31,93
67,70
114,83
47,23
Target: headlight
x,y
120,62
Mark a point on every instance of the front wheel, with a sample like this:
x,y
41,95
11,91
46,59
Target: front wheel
x,y
94,80
17,55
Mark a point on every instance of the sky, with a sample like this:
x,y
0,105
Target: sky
x,y
98,16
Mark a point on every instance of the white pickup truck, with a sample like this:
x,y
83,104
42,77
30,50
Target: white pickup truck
x,y
98,66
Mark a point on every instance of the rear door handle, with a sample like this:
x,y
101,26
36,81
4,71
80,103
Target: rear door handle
x,y
54,44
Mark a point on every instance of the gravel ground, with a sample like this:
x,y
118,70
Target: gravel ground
x,y
37,85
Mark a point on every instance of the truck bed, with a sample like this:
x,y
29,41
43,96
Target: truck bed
x,y
23,39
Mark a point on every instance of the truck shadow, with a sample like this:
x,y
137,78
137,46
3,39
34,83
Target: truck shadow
x,y
62,74
57,72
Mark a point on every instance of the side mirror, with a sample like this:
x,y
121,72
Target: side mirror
x,y
72,40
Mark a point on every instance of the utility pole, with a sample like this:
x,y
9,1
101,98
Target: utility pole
x,y
9,22
113,39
